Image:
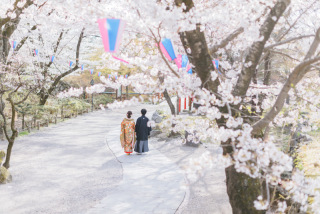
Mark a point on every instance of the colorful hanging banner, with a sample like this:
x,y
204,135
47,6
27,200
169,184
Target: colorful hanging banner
x,y
182,61
70,63
99,74
116,77
167,49
111,32
82,67
14,44
52,58
36,52
91,71
109,76
216,63
126,76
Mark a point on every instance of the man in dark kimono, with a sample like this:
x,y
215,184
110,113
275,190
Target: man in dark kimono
x,y
143,131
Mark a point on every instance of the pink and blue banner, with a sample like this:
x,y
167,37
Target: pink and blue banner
x,y
14,44
52,58
126,76
99,74
109,76
216,63
111,32
116,77
36,52
182,61
70,64
167,49
91,71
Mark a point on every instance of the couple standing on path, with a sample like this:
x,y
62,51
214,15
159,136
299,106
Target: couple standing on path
x,y
130,130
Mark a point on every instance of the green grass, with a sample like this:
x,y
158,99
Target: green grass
x,y
23,133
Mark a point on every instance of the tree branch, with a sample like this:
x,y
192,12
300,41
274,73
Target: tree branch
x,y
57,80
286,55
293,79
286,41
226,41
256,49
295,22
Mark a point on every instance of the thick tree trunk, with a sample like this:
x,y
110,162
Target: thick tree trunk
x,y
242,191
195,45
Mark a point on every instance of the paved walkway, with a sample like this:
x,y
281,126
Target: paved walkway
x,y
72,168
151,183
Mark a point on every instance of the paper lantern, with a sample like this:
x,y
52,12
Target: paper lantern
x,y
167,49
111,32
14,44
52,58
182,61
216,63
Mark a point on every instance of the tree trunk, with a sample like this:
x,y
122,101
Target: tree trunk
x,y
6,164
195,46
43,99
177,105
168,99
22,121
127,92
242,191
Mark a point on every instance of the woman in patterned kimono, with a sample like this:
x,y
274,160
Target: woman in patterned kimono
x,y
127,136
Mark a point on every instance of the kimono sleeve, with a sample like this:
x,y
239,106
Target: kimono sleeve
x,y
122,137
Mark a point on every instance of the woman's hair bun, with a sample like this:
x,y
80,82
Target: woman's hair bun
x,y
129,113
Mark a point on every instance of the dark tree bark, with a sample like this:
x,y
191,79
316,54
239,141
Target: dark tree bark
x,y
239,187
168,99
267,72
195,45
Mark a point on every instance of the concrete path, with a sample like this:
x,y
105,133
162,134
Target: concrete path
x,y
152,183
65,168
78,166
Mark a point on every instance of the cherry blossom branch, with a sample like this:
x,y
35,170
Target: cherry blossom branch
x,y
226,41
287,41
256,49
283,54
293,79
295,22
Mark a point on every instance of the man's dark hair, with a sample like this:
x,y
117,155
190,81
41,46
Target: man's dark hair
x,y
143,111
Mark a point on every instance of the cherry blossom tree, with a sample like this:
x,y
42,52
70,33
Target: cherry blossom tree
x,y
240,100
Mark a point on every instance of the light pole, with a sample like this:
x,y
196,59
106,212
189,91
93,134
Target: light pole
x,y
92,83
